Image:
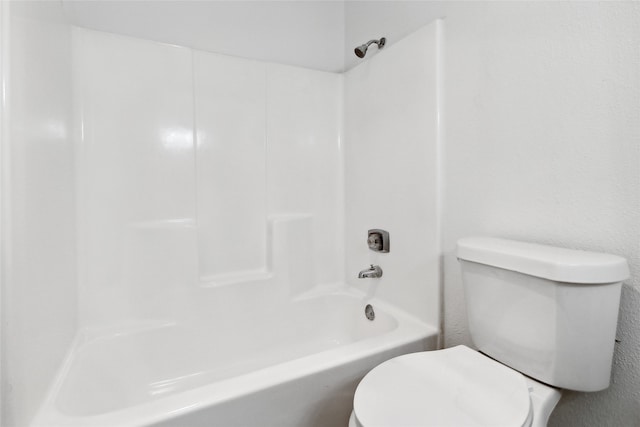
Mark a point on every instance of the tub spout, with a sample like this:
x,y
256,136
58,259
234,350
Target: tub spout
x,y
371,272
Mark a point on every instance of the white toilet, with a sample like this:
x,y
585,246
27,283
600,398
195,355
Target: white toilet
x,y
544,312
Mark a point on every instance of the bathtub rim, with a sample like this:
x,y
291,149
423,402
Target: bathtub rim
x,y
409,329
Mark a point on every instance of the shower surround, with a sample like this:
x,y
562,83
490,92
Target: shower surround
x,y
185,159
221,210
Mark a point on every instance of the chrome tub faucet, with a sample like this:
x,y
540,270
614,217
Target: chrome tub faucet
x,y
370,273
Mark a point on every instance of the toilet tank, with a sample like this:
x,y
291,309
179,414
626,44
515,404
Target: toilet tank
x,y
548,312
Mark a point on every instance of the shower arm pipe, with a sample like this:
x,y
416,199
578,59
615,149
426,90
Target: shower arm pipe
x,y
376,41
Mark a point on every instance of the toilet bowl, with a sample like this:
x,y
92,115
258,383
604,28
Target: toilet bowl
x,y
456,386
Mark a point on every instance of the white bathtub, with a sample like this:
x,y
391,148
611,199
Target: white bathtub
x,y
297,365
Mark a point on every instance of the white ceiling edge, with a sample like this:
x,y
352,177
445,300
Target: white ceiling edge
x,y
307,34
315,34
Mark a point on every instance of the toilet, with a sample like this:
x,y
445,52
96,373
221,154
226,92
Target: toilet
x,y
542,318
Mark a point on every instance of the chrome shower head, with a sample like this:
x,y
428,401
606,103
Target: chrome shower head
x,y
361,50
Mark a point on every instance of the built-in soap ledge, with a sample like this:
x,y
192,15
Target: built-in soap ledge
x,y
164,224
119,329
236,278
289,257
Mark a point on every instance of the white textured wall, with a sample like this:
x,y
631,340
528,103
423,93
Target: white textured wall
x,y
38,235
542,101
391,173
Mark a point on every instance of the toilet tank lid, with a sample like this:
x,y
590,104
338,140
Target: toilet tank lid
x,y
548,262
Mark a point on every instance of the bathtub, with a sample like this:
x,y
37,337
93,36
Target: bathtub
x,y
294,365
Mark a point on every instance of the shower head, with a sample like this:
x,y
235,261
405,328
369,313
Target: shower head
x,y
361,50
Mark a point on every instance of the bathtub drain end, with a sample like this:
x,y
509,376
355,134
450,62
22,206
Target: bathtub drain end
x,y
368,311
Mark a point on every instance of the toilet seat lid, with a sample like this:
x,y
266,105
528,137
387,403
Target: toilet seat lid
x,y
457,386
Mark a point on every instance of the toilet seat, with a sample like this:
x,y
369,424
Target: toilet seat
x,y
457,386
